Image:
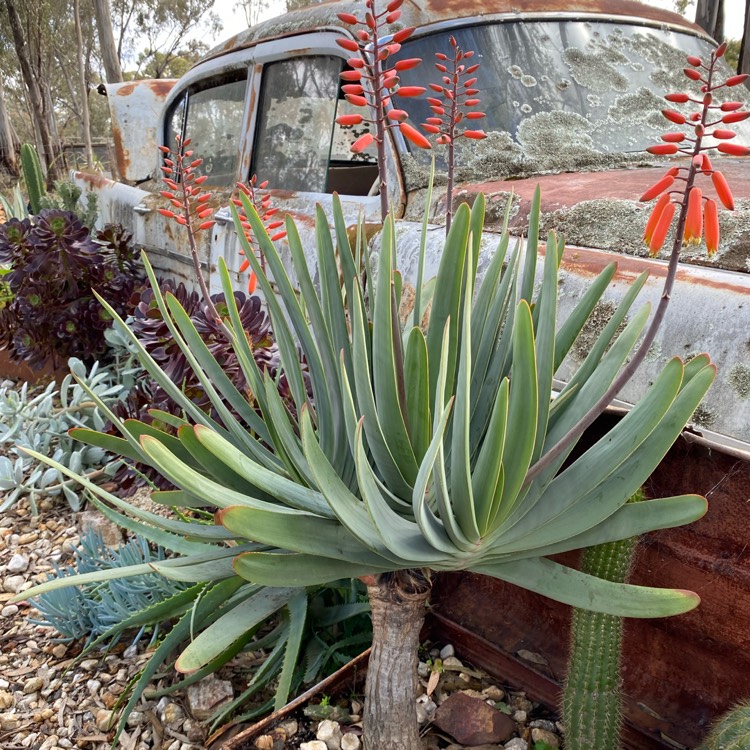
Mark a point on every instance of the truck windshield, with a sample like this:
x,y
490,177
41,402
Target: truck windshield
x,y
562,95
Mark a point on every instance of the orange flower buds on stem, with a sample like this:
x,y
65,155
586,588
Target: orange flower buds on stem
x,y
456,102
374,47
696,212
193,211
262,204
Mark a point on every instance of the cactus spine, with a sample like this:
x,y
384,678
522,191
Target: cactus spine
x,y
33,177
732,731
591,697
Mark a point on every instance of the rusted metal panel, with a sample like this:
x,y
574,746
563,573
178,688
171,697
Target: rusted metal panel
x,y
431,12
135,107
680,673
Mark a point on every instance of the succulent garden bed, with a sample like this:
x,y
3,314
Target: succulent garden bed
x,y
458,707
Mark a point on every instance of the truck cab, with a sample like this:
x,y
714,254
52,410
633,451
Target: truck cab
x,y
573,93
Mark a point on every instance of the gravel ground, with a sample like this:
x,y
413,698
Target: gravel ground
x,y
50,701
47,701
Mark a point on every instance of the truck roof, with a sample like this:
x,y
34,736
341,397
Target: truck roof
x,y
421,13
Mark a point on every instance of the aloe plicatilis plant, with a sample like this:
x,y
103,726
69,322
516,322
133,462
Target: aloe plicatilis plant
x,y
412,451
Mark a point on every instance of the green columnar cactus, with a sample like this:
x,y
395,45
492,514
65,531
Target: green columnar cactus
x,y
732,731
591,699
33,176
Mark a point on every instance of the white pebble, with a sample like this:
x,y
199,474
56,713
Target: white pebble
x,y
93,686
517,744
330,733
313,745
350,741
13,584
18,564
9,610
447,651
519,716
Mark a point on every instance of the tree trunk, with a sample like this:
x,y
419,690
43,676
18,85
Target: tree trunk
x,y
398,603
32,85
8,138
709,16
743,66
85,119
110,58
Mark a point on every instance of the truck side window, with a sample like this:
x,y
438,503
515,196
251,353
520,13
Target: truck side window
x,y
298,145
297,110
211,115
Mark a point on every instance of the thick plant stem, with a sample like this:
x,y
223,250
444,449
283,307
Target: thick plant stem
x,y
592,698
398,603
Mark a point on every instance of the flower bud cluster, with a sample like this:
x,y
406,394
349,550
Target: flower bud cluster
x,y
262,203
456,98
699,216
185,192
372,80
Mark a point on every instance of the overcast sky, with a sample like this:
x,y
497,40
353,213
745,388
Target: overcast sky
x,y
234,19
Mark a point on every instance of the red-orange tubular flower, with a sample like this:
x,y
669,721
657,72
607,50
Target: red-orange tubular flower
x,y
653,220
661,229
658,188
694,218
722,190
711,220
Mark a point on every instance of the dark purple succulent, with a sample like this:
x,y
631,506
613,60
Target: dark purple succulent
x,y
151,330
55,266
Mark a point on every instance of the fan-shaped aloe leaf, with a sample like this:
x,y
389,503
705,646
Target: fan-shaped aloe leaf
x,y
545,338
460,475
269,568
111,443
301,532
573,324
400,535
367,408
447,300
522,413
625,523
280,487
417,377
578,589
387,365
183,476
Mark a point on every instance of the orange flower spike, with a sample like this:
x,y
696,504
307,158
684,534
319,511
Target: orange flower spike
x,y
694,218
661,229
711,220
658,188
653,220
722,190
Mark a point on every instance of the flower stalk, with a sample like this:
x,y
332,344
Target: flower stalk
x,y
694,212
455,103
371,81
191,204
262,203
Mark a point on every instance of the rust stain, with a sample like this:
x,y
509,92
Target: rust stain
x,y
93,178
161,86
122,157
126,90
586,262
